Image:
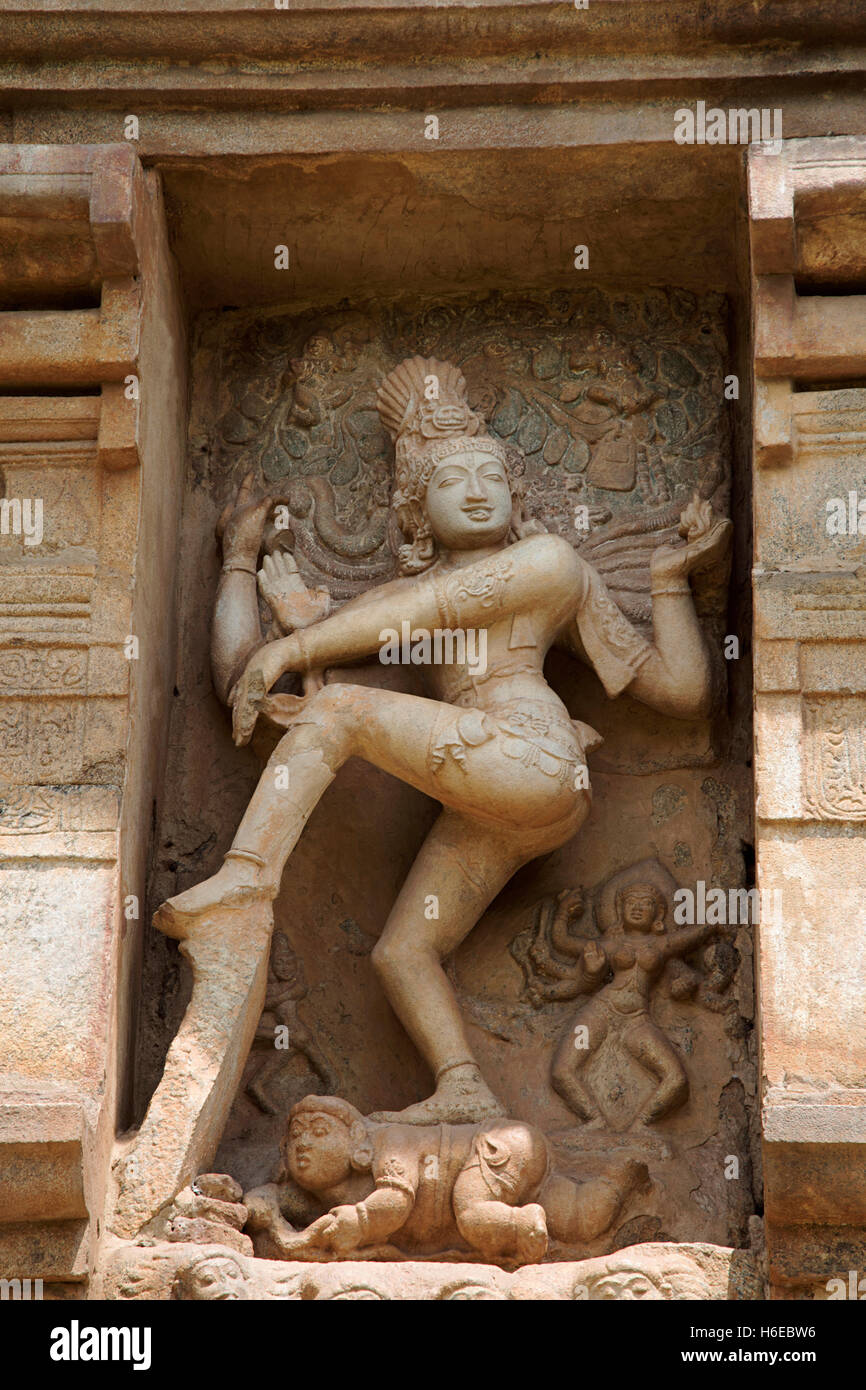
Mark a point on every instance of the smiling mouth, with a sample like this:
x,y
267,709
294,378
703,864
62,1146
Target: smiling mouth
x,y
478,513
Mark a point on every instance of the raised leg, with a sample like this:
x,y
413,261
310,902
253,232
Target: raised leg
x,y
579,1212
506,814
400,734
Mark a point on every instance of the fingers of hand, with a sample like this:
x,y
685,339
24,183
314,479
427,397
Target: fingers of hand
x,y
284,561
244,490
223,521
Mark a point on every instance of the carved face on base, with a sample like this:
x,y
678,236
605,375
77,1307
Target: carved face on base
x,y
629,1286
318,1151
216,1278
468,501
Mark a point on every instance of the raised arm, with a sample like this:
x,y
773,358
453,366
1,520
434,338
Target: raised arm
x,y
237,632
673,673
676,677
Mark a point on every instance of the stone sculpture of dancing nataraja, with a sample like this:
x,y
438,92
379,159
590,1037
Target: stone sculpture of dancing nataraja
x,y
498,750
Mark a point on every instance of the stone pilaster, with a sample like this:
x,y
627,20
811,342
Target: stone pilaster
x,y
92,367
809,287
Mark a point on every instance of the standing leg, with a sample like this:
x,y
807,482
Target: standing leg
x,y
461,867
652,1049
571,1057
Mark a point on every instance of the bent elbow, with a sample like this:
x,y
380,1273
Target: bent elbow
x,y
695,700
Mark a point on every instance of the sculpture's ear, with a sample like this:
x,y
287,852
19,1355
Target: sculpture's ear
x,y
493,1149
362,1148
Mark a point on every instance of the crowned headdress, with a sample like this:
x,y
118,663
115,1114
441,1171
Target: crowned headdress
x,y
423,405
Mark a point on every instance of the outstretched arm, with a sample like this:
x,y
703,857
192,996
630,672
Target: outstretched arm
x,y
680,943
370,1222
476,595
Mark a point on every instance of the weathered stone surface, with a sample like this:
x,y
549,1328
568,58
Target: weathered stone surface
x,y
81,702
642,1272
810,713
295,402
305,186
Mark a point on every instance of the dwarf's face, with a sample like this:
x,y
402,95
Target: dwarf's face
x,y
639,909
220,1279
468,501
629,1286
319,1151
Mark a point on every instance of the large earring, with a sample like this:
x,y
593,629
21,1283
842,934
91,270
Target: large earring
x,y
362,1157
362,1149
419,554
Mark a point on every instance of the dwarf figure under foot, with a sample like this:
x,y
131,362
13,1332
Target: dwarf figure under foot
x,y
421,1189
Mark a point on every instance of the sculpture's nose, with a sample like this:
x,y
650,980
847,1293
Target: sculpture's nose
x,y
475,489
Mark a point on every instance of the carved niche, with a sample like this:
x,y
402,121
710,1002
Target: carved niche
x,y
613,408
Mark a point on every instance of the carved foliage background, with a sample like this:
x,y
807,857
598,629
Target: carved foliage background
x,y
613,403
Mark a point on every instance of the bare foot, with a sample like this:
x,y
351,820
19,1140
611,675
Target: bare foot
x,y
234,885
461,1098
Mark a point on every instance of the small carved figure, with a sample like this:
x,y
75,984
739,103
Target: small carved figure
x,y
656,1275
619,973
429,1188
213,1277
548,976
612,416
285,990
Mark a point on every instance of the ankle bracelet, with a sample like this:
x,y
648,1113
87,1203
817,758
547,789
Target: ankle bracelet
x,y
248,856
452,1066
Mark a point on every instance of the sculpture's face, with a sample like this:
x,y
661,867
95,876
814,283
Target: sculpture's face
x,y
639,910
319,1151
219,1279
468,501
628,1286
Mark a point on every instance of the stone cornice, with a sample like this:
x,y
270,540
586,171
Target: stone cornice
x,y
248,53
